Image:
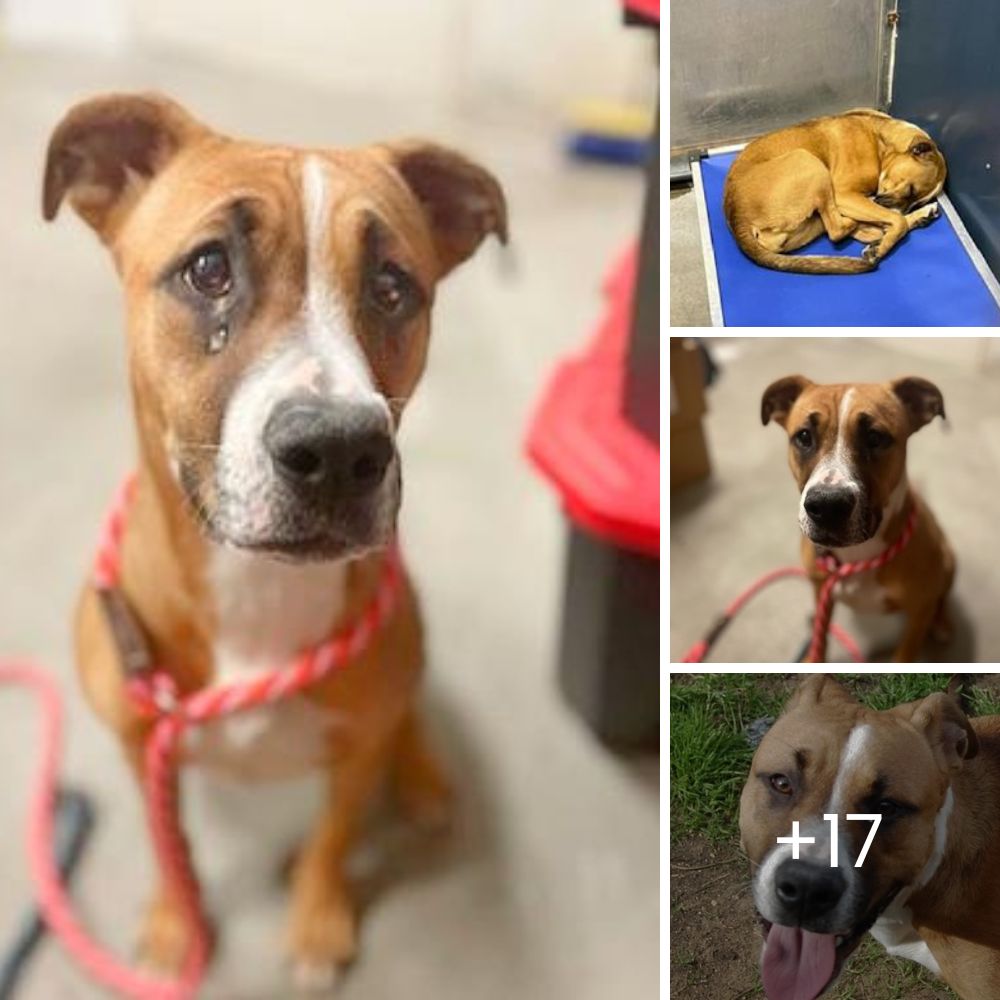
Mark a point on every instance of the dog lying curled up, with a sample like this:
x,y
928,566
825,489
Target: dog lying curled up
x,y
861,174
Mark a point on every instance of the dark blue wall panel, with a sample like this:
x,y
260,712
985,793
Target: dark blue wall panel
x,y
947,81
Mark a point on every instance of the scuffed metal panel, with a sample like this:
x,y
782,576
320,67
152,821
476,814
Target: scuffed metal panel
x,y
743,67
948,82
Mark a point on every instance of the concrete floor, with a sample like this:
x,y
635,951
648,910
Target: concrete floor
x,y
549,887
728,531
688,289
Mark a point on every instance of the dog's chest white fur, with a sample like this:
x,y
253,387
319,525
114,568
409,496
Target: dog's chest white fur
x,y
268,611
862,592
894,930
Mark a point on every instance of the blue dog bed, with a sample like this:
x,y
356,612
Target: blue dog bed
x,y
933,277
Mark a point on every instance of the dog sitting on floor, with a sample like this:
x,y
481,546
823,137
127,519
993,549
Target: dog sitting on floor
x,y
861,174
847,452
278,313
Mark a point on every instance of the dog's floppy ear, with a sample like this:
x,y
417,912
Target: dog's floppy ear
x,y
104,152
780,396
921,399
946,728
819,687
463,202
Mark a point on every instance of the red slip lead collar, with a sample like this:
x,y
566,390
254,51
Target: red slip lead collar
x,y
155,695
835,571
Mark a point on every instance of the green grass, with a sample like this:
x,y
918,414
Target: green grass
x,y
709,754
882,691
984,702
872,973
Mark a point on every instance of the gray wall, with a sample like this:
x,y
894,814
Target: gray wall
x,y
947,81
742,67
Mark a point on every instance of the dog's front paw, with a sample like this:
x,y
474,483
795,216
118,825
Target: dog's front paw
x,y
312,977
871,253
322,936
165,938
927,214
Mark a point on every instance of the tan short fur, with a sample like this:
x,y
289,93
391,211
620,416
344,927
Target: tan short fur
x,y
916,752
789,187
918,580
153,182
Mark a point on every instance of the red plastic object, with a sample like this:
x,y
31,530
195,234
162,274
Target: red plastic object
x,y
650,9
607,472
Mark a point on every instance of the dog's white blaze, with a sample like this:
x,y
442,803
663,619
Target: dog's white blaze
x,y
894,930
326,325
842,465
855,751
319,343
836,469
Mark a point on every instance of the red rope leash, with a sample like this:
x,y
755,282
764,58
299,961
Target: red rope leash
x,y
156,696
835,572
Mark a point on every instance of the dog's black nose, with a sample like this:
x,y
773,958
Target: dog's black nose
x,y
807,890
331,448
830,506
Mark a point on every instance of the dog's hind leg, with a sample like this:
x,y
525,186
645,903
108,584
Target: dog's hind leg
x,y
863,209
918,625
914,220
794,203
868,233
837,225
942,627
424,792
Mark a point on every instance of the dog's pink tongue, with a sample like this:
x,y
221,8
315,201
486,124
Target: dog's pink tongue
x,y
797,964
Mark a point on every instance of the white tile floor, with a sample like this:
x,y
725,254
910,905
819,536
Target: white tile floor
x,y
549,890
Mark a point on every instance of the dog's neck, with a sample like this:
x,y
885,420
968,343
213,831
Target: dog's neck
x,y
266,610
891,527
969,860
213,613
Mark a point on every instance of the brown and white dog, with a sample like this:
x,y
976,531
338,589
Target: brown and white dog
x,y
847,452
860,174
928,887
278,303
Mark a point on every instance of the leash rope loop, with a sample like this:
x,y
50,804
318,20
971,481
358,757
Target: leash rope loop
x,y
154,694
838,572
835,572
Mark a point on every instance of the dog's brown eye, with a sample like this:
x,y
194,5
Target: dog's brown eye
x,y
391,289
781,784
803,438
208,271
876,439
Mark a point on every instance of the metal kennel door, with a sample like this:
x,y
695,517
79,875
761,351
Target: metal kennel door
x,y
947,81
743,67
